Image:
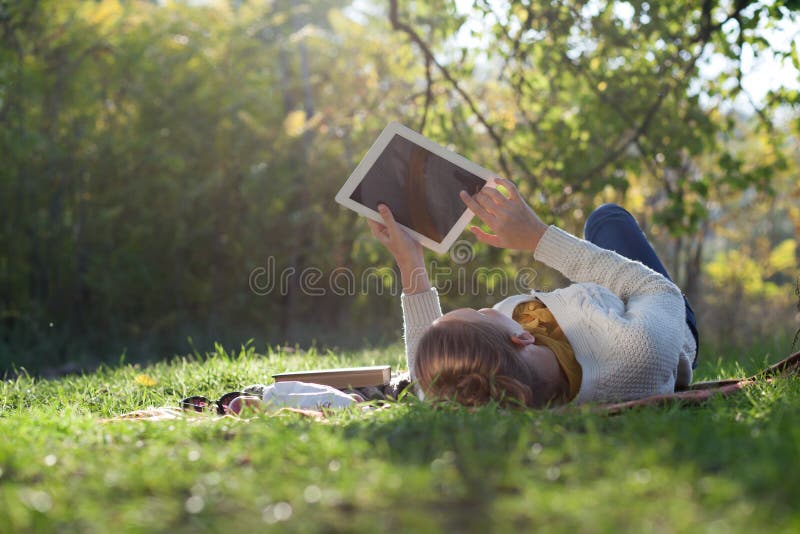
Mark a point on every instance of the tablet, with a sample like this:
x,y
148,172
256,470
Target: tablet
x,y
419,181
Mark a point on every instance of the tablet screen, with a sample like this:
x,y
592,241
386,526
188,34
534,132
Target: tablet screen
x,y
420,187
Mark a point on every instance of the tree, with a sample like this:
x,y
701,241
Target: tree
x,y
578,97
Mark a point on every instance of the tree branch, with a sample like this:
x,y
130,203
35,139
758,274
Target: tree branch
x,y
408,30
428,93
704,35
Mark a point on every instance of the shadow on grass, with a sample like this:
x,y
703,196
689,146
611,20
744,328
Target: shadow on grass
x,y
732,459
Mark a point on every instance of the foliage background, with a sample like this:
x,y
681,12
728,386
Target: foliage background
x,y
155,153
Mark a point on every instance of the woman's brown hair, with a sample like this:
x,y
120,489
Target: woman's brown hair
x,y
472,363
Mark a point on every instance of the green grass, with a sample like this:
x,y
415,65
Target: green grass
x,y
728,466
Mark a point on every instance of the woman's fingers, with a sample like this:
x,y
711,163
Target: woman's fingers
x,y
496,196
476,208
508,184
389,224
388,218
489,239
486,202
376,227
379,231
386,213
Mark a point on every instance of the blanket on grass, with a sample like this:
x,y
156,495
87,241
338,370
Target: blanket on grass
x,y
700,392
694,395
168,413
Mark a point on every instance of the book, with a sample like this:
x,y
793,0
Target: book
x,y
349,377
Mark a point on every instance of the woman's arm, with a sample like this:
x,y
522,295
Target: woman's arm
x,y
421,307
515,225
420,301
582,261
419,312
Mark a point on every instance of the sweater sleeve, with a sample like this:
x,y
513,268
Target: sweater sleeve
x,y
583,261
419,312
628,356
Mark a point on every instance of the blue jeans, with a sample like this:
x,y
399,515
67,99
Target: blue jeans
x,y
611,227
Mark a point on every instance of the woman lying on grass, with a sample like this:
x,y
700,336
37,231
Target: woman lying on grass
x,y
621,331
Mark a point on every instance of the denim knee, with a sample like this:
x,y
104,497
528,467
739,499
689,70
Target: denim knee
x,y
600,214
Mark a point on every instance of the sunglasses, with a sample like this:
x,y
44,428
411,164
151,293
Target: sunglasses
x,y
201,404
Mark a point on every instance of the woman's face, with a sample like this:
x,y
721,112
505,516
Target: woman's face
x,y
487,315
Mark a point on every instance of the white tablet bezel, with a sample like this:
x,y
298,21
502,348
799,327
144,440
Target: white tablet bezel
x,y
395,128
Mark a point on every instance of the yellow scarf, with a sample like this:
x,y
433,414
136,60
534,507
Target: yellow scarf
x,y
537,320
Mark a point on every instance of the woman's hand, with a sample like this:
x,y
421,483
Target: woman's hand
x,y
406,250
514,223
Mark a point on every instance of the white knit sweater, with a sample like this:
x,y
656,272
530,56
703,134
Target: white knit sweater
x,y
625,322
